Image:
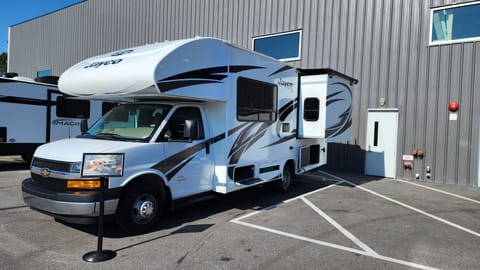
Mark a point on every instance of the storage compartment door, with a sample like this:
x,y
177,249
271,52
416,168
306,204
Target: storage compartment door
x,y
312,106
313,156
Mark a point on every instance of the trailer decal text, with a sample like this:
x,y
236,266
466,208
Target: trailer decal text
x,y
103,63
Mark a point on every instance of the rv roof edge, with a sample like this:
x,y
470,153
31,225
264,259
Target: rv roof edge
x,y
318,71
151,70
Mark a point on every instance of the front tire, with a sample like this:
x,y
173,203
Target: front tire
x,y
27,157
140,208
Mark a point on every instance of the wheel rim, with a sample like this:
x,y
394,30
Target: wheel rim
x,y
144,209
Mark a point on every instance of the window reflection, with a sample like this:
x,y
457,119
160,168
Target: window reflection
x,y
285,46
456,24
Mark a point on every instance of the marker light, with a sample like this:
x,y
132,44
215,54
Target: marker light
x,y
84,184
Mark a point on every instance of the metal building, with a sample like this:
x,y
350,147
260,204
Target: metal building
x,y
412,58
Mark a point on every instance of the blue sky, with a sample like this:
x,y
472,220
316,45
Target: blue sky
x,y
17,11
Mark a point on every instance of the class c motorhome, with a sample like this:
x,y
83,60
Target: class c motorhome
x,y
196,116
34,112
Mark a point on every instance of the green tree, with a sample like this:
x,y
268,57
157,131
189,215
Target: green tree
x,y
3,62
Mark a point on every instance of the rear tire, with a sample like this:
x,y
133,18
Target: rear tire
x,y
140,208
285,183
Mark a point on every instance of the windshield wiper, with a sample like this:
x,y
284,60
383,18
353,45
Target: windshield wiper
x,y
108,134
115,136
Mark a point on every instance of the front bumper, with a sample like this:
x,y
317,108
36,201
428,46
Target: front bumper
x,y
71,206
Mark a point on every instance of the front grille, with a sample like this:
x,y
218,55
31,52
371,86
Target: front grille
x,y
53,165
49,183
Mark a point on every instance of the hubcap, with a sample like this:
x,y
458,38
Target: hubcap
x,y
144,209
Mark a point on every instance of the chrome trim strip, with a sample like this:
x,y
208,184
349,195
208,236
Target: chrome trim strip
x,y
56,174
89,209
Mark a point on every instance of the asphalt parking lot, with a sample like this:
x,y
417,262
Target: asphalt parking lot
x,y
329,221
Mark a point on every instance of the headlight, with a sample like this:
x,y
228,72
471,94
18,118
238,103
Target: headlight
x,y
76,167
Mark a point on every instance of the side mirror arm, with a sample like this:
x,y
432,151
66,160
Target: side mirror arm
x,y
84,125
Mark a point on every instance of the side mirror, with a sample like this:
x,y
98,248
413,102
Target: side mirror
x,y
190,129
84,125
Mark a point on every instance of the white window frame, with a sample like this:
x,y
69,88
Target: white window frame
x,y
282,34
443,42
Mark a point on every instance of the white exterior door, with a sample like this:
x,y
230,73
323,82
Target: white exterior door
x,y
312,106
381,145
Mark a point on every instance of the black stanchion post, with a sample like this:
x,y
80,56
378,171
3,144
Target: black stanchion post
x,y
100,255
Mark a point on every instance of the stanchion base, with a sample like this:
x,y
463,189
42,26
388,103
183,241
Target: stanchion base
x,y
99,256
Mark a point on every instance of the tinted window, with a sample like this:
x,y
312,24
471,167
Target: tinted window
x,y
280,46
456,23
256,101
175,128
311,109
73,108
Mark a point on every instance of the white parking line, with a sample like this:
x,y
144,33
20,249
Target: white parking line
x,y
307,239
367,251
407,206
283,202
335,246
312,192
339,227
440,191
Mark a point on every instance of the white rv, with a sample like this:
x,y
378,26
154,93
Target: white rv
x,y
33,113
197,116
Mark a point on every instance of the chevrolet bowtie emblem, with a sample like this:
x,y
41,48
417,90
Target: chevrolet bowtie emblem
x,y
45,173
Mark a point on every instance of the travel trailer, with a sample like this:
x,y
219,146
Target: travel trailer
x,y
35,112
197,116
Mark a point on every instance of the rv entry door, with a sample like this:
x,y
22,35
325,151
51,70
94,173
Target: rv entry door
x,y
312,108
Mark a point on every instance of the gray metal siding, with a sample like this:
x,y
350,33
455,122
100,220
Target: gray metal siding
x,y
383,43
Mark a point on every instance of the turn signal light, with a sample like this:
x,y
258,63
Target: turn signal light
x,y
83,184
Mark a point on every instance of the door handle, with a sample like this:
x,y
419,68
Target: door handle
x,y
180,178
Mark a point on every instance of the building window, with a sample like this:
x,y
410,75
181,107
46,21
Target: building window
x,y
43,73
256,101
283,46
459,23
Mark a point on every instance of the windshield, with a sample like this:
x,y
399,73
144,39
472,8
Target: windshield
x,y
129,122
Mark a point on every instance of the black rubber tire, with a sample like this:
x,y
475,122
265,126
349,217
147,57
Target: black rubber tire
x,y
27,157
285,183
140,208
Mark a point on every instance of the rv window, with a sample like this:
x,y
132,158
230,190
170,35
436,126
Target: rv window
x,y
175,128
73,108
256,101
311,109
